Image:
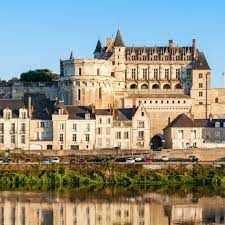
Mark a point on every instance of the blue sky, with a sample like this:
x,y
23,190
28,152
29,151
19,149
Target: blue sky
x,y
35,34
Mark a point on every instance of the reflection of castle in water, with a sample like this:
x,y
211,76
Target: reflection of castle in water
x,y
152,209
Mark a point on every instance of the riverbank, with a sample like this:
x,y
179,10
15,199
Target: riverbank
x,y
52,177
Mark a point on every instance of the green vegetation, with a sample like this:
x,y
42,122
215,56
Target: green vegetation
x,y
59,177
41,75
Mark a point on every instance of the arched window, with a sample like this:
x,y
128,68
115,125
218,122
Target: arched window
x,y
133,86
78,94
98,71
155,86
166,86
216,100
177,86
144,86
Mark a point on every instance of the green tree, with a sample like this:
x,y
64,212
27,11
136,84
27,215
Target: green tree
x,y
40,75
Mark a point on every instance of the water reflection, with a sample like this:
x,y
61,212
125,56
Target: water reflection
x,y
19,208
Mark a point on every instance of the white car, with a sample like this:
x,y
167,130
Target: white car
x,y
165,158
130,160
55,160
138,159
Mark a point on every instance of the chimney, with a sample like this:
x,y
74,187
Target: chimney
x,y
210,117
134,105
30,106
110,109
170,43
92,109
194,47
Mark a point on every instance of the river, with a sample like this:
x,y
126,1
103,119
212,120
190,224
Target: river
x,y
110,207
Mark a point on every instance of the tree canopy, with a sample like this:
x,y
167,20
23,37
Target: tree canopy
x,y
40,75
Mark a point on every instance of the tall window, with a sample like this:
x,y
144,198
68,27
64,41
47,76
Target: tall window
x,y
145,73
13,139
141,135
193,134
156,74
180,134
177,74
88,127
141,124
23,127
61,137
87,137
13,127
98,71
118,135
78,94
74,137
100,93
99,130
80,71
133,57
61,126
2,127
126,135
167,74
200,75
133,73
200,94
74,127
1,139
200,85
23,141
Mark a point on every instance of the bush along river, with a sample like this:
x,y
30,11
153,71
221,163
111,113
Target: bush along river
x,y
50,177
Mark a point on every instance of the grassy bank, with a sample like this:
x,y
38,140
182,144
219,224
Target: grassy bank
x,y
57,176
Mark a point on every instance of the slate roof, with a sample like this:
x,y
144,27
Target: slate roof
x,y
78,112
200,62
11,104
119,40
98,47
183,120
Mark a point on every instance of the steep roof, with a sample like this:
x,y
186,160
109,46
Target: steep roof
x,y
119,40
11,104
78,112
200,62
98,47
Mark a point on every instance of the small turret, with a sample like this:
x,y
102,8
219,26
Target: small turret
x,y
119,40
72,56
98,48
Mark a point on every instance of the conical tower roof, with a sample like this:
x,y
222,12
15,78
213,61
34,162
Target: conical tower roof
x,y
119,40
98,47
71,55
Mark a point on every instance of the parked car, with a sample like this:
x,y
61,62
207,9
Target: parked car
x,y
1,160
45,161
82,161
120,160
6,161
74,161
130,160
149,161
139,159
193,158
165,158
55,160
28,161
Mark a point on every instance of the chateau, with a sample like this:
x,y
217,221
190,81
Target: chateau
x,y
126,97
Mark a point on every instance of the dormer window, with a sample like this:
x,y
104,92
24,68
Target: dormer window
x,y
133,57
87,116
60,111
217,124
23,113
7,114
